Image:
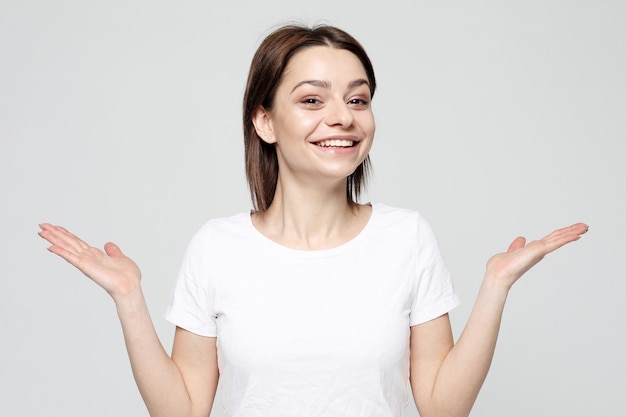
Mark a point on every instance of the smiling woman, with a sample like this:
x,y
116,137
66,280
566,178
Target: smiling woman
x,y
312,304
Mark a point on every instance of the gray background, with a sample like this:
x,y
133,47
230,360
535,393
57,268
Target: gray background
x,y
121,121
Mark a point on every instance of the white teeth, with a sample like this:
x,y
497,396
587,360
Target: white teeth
x,y
336,142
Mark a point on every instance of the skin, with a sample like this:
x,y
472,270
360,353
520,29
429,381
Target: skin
x,y
310,211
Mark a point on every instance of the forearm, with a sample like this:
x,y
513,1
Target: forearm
x,y
465,368
448,384
158,378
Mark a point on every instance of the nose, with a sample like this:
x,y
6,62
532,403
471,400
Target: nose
x,y
339,114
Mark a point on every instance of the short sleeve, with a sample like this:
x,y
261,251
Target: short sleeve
x,y
193,297
434,293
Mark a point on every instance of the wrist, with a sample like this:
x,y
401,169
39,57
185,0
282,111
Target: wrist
x,y
498,280
495,287
129,298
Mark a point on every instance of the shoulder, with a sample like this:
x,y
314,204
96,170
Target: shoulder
x,y
222,229
402,225
386,216
226,224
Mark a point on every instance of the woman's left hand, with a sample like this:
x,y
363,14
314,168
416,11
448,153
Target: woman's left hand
x,y
507,268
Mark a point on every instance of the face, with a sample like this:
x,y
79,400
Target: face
x,y
321,122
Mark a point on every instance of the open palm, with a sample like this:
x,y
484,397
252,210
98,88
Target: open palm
x,y
508,267
110,269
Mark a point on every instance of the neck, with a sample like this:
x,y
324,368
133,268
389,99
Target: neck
x,y
311,218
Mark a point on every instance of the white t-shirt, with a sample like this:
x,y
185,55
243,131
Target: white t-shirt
x,y
313,333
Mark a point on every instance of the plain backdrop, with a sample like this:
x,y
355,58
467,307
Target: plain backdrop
x,y
121,121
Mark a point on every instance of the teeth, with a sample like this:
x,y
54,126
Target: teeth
x,y
336,142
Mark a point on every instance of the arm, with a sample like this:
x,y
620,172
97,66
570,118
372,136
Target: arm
x,y
446,378
183,385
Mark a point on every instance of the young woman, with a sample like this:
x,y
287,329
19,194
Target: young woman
x,y
313,304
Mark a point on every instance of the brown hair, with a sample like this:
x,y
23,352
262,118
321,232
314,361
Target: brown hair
x,y
266,70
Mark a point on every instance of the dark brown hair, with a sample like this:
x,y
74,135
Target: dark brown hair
x,y
266,71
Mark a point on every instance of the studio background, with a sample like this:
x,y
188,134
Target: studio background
x,y
121,121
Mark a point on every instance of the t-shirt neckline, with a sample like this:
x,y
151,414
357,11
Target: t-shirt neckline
x,y
350,244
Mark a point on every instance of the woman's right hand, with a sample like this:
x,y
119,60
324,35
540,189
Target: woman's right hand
x,y
111,269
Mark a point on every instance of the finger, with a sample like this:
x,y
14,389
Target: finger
x,y
51,233
69,256
571,232
518,243
58,239
83,244
575,229
564,236
112,249
61,237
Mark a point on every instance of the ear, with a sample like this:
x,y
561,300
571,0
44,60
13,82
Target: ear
x,y
263,125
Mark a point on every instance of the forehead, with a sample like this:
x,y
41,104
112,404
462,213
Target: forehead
x,y
323,63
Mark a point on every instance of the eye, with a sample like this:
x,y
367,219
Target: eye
x,y
358,103
311,102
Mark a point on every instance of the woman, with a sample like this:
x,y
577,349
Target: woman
x,y
313,304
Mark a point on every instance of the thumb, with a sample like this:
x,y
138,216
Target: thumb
x,y
519,242
112,249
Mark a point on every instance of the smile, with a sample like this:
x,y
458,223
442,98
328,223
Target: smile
x,y
337,143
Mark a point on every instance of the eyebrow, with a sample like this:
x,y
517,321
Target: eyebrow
x,y
326,84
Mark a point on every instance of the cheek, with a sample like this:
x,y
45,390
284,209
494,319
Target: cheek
x,y
368,124
299,124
